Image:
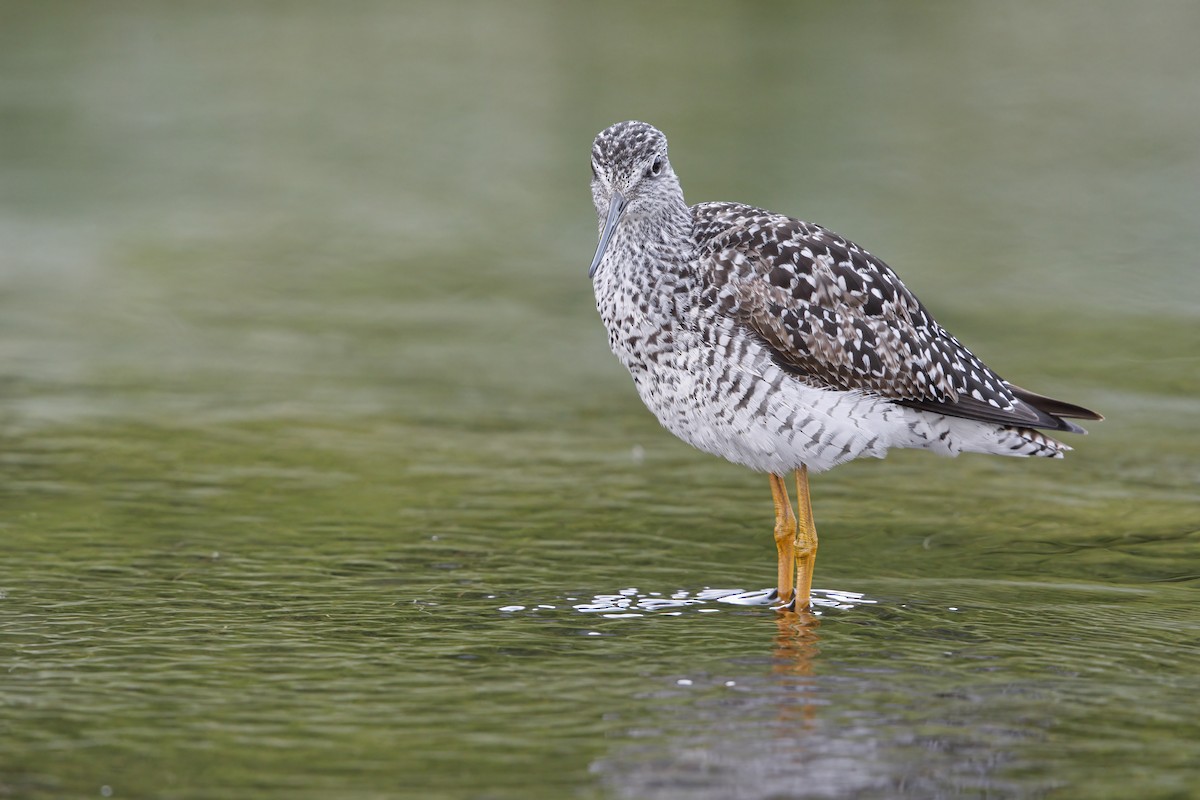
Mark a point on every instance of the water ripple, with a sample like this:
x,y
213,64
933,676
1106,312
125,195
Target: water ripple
x,y
632,602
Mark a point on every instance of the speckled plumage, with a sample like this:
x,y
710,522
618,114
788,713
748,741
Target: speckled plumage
x,y
776,343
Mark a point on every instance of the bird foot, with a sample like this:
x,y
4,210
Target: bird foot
x,y
788,606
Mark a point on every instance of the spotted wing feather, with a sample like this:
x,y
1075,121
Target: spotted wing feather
x,y
836,316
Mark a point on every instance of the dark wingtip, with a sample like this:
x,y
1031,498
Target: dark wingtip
x,y
1057,408
1030,410
1069,427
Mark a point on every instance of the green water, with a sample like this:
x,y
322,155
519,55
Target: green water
x,y
301,384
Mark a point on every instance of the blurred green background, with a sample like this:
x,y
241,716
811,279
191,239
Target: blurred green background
x,y
301,382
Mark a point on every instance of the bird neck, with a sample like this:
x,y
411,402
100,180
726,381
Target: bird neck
x,y
663,235
674,219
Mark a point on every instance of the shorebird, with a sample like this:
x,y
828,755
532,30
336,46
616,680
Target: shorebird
x,y
782,346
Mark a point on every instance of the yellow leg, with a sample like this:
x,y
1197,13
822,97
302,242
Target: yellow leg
x,y
806,542
785,537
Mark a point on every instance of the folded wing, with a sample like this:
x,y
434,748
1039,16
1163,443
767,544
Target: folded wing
x,y
836,316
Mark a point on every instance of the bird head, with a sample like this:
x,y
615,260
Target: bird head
x,y
631,178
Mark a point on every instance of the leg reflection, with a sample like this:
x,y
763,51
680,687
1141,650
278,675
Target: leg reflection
x,y
796,647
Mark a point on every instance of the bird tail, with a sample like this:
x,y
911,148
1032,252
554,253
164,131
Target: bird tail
x,y
1029,442
953,435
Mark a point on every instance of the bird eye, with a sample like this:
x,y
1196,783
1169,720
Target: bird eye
x,y
655,168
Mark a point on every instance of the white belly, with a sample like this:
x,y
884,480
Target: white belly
x,y
757,414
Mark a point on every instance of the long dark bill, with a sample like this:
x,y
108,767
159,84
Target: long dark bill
x,y
614,215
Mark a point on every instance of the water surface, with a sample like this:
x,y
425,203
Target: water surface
x,y
318,481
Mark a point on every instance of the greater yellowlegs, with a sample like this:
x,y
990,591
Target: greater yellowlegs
x,y
782,346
